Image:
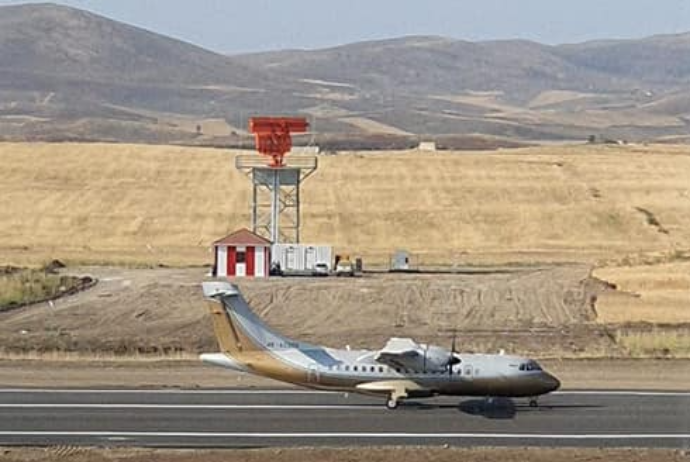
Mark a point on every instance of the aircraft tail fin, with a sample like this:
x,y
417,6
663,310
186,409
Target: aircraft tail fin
x,y
237,328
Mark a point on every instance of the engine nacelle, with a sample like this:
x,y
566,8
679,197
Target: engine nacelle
x,y
437,359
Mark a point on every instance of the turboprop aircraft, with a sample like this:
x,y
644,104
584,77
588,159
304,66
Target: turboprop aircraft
x,y
402,369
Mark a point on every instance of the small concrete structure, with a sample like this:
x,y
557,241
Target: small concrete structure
x,y
400,261
427,146
306,150
242,254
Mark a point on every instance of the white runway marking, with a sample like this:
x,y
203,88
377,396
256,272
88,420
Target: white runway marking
x,y
303,392
622,393
190,406
351,435
166,391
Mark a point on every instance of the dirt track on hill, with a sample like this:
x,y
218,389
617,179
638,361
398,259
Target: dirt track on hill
x,y
546,312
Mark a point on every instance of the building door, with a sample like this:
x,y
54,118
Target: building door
x,y
251,262
231,261
468,371
291,259
241,262
310,257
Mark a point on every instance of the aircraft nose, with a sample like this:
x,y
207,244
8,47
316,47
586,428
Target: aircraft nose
x,y
551,382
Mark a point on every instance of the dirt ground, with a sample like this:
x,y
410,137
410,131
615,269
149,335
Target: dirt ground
x,y
383,454
541,311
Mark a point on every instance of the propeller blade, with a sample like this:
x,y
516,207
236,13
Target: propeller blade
x,y
452,359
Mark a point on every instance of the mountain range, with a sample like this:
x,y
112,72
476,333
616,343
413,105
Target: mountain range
x,y
67,74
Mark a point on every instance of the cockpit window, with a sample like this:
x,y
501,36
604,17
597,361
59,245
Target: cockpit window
x,y
530,366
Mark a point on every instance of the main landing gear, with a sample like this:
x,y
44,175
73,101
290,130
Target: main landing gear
x,y
392,403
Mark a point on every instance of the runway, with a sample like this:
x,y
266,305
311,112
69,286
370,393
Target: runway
x,y
260,418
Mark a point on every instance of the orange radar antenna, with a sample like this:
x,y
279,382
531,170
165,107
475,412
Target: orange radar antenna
x,y
273,136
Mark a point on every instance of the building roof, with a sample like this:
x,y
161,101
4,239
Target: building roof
x,y
243,237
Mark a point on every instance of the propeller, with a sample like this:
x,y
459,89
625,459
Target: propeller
x,y
452,360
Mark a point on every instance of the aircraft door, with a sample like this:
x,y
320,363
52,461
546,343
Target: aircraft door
x,y
313,375
468,371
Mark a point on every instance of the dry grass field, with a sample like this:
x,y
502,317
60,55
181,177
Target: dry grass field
x,y
147,205
649,293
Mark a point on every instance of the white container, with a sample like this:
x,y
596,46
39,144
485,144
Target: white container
x,y
301,257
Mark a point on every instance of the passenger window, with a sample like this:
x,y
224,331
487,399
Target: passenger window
x,y
381,369
372,369
354,368
397,369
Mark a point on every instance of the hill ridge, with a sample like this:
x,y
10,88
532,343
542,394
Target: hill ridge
x,y
67,74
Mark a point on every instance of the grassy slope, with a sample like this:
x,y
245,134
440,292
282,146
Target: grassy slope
x,y
652,293
161,204
30,286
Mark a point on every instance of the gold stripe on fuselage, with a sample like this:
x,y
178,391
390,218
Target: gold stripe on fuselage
x,y
233,341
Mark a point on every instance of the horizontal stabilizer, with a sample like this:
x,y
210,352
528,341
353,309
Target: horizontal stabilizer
x,y
219,289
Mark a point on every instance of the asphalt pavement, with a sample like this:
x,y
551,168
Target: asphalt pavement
x,y
264,418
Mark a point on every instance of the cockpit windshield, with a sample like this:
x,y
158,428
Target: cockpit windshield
x,y
530,366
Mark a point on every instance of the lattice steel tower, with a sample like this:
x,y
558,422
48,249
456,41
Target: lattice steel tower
x,y
276,180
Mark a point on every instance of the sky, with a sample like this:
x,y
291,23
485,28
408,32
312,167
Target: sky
x,y
231,26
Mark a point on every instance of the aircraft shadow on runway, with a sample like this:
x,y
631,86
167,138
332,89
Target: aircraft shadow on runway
x,y
497,408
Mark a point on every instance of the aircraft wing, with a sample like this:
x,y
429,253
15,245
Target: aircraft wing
x,y
401,353
397,388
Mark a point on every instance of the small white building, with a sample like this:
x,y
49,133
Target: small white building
x,y
242,254
427,146
298,258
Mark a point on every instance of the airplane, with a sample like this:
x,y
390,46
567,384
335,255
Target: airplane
x,y
403,369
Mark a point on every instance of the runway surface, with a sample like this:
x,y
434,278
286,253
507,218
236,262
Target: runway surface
x,y
258,418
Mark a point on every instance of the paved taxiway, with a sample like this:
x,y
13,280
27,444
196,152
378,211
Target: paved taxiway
x,y
250,418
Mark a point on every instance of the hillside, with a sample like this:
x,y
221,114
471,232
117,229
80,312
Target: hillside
x,y
517,89
165,205
78,45
64,70
66,74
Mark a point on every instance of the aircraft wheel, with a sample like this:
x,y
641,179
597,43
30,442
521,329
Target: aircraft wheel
x,y
533,403
392,403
